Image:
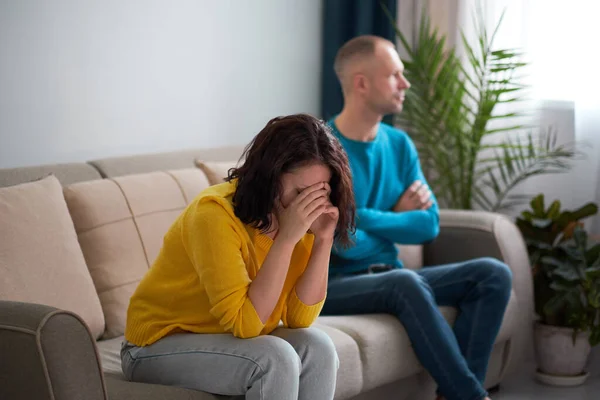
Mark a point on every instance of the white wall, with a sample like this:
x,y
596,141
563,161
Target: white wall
x,y
97,78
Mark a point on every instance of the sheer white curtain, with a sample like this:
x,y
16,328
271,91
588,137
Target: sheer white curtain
x,y
563,45
560,40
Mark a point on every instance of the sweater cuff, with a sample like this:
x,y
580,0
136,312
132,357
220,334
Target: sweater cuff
x,y
301,315
250,324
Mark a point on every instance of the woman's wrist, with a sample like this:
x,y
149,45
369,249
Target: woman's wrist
x,y
323,241
284,243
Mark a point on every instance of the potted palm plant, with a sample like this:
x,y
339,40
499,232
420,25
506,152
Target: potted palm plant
x,y
462,115
566,275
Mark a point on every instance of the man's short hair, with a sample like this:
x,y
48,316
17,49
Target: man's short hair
x,y
358,47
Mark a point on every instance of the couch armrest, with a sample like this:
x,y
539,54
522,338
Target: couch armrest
x,y
470,234
47,354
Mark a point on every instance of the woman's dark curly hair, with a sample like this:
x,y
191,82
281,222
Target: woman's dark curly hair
x,y
284,144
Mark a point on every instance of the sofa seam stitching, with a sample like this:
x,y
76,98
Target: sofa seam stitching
x,y
18,329
117,286
135,222
81,232
185,199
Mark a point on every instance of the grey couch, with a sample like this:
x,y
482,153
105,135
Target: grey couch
x,y
67,347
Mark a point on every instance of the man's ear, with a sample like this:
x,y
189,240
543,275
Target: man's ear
x,y
360,83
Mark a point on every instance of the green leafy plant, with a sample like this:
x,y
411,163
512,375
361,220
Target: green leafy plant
x,y
453,113
566,268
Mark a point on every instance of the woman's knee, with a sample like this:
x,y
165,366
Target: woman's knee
x,y
279,355
318,346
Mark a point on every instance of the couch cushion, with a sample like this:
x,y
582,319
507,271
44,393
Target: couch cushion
x,y
119,389
144,163
349,378
66,173
350,375
120,223
385,348
40,259
109,351
216,171
411,255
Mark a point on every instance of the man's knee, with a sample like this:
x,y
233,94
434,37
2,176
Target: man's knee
x,y
497,272
402,286
405,280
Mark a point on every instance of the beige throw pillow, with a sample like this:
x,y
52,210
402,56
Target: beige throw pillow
x,y
216,171
40,258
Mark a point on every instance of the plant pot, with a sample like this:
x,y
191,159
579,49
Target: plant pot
x,y
557,357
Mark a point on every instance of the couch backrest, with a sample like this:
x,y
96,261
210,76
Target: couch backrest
x,y
143,163
121,220
120,223
66,173
411,256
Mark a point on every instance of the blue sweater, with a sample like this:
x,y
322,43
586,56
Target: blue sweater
x,y
382,170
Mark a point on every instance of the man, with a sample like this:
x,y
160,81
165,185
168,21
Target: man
x,y
394,205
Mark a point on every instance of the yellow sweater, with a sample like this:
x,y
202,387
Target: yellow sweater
x,y
200,279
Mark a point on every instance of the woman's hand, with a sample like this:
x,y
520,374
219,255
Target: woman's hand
x,y
295,219
324,226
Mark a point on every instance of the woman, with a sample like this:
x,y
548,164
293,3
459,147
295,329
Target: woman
x,y
243,256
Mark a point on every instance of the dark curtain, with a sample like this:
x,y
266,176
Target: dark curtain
x,y
343,20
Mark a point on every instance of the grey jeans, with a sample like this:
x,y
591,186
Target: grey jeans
x,y
288,364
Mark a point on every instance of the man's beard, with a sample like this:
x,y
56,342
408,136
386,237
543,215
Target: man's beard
x,y
386,108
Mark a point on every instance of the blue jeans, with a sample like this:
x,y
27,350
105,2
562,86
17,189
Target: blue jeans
x,y
456,359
